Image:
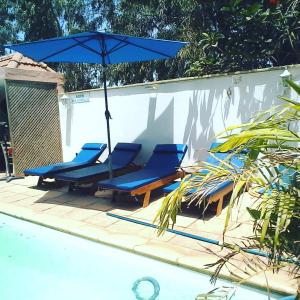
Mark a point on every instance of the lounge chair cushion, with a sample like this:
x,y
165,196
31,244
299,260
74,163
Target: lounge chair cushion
x,y
288,178
236,160
122,155
216,158
92,146
48,170
221,185
128,147
177,148
216,144
86,172
135,179
167,156
163,162
90,153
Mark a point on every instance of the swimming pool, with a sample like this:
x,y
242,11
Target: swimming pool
x,y
39,263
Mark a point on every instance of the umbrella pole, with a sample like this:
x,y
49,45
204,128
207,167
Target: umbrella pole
x,y
107,117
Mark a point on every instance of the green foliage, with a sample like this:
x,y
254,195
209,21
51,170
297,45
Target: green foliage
x,y
224,35
271,175
35,19
7,30
38,19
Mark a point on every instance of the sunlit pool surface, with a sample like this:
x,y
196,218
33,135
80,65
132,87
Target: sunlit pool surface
x,y
39,263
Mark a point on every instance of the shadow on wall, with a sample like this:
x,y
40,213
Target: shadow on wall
x,y
234,100
69,117
206,107
198,119
159,130
250,104
203,108
230,100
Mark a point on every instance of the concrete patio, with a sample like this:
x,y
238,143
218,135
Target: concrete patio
x,y
85,215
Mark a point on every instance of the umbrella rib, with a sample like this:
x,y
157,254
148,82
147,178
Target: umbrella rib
x,y
105,51
63,50
49,40
142,47
118,46
88,47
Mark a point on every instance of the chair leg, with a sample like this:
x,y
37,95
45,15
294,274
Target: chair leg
x,y
40,181
71,187
93,189
220,206
114,196
146,199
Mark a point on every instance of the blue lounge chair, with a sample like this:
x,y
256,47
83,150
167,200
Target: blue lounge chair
x,y
88,155
122,157
217,193
160,170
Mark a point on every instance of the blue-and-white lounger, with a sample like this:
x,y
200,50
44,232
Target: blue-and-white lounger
x,y
161,169
221,189
121,157
89,154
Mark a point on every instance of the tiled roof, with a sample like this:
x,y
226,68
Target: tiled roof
x,y
18,61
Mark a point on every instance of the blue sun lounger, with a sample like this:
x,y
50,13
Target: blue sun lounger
x,y
122,157
88,155
160,170
221,189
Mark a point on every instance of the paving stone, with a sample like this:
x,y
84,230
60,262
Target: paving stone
x,y
162,250
27,202
91,232
59,210
101,220
80,214
198,260
121,212
126,227
101,205
77,200
38,207
11,197
47,195
15,188
152,234
126,241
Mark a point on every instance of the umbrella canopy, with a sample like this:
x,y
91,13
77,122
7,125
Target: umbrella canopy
x,y
99,48
90,47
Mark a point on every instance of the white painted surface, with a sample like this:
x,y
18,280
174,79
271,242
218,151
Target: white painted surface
x,y
189,111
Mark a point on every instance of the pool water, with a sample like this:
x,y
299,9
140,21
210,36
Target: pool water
x,y
39,263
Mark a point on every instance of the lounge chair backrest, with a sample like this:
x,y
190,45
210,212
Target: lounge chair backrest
x,y
124,153
167,156
89,153
215,158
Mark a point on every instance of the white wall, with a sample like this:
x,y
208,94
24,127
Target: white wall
x,y
190,111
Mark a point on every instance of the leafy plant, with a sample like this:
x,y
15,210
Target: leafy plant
x,y
271,175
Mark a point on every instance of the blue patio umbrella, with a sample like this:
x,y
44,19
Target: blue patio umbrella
x,y
99,48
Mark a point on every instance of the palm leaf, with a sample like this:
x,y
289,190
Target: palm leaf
x,y
294,86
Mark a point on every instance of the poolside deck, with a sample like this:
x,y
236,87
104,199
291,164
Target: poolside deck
x,y
85,215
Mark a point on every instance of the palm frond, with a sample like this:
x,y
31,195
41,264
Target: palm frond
x,y
271,174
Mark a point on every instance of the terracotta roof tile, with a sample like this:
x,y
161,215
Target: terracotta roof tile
x,y
18,61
